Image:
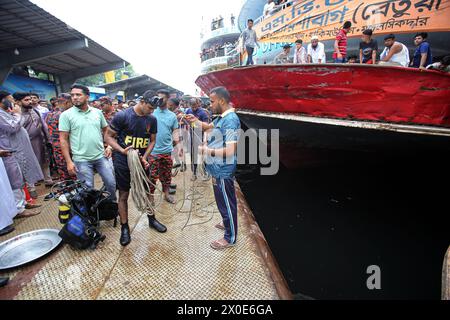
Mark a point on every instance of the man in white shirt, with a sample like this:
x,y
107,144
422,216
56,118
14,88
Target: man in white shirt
x,y
394,53
300,55
316,51
268,7
250,41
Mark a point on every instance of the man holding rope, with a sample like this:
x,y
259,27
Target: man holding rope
x,y
221,162
133,128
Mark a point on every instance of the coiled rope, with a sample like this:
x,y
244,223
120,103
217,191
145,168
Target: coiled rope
x,y
140,192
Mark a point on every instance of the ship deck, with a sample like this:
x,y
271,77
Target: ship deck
x,y
176,265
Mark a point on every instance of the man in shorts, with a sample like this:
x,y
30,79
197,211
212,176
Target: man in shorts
x,y
133,128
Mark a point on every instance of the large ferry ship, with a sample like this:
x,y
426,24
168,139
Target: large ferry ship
x,y
218,49
325,108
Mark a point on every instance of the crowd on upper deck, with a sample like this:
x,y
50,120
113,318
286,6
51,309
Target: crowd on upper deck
x,y
394,52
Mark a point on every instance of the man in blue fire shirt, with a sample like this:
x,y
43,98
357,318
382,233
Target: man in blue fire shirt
x,y
135,128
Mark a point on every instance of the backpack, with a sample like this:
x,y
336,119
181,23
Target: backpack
x,y
87,208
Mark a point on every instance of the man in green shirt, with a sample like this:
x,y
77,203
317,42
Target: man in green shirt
x,y
81,133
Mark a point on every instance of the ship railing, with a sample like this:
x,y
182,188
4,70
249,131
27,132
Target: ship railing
x,y
222,52
275,10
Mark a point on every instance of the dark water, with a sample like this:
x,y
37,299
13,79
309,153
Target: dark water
x,y
326,225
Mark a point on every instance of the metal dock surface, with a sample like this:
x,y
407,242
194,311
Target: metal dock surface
x,y
176,265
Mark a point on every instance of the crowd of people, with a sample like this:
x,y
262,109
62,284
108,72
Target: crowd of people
x,y
218,22
394,53
72,138
218,50
273,6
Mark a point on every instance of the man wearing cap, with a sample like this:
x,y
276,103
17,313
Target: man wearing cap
x,y
37,131
63,103
368,48
284,56
133,128
316,51
20,140
22,165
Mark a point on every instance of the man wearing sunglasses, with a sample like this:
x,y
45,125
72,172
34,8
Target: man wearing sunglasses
x,y
133,128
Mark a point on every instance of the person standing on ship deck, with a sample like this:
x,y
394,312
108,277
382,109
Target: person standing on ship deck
x,y
221,161
340,44
250,41
422,55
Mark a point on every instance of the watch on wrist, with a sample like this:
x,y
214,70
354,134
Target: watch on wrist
x,y
213,152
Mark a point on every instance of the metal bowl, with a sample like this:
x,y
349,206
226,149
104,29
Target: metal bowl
x,y
28,247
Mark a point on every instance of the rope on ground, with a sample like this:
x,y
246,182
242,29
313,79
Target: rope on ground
x,y
140,192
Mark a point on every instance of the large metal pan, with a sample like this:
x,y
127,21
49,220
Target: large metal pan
x,y
28,247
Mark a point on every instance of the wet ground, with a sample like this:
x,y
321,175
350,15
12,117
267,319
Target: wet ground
x,y
178,264
327,224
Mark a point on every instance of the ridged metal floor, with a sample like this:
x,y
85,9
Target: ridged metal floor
x,y
176,265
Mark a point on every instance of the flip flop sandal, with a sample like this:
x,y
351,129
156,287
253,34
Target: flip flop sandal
x,y
220,226
217,245
170,200
27,214
32,206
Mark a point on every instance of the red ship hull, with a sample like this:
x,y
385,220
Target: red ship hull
x,y
346,91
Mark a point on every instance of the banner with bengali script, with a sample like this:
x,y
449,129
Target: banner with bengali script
x,y
324,18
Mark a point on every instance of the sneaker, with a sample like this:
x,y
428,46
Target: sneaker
x,y
194,177
125,237
155,224
50,196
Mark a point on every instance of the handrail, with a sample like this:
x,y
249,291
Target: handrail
x,y
277,8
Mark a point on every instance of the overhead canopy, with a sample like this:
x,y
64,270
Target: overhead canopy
x,y
137,86
30,36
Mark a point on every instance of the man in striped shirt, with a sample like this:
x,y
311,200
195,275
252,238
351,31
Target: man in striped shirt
x,y
340,44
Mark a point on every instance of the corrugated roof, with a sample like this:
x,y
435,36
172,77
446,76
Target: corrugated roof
x,y
138,84
24,25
